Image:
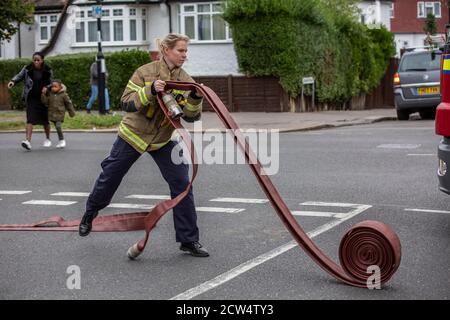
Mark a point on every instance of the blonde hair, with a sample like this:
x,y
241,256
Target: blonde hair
x,y
170,41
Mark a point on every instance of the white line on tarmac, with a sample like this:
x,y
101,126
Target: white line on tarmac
x,y
222,210
330,204
71,194
13,192
428,211
50,202
421,155
313,213
339,215
399,146
149,206
131,206
148,196
240,200
246,266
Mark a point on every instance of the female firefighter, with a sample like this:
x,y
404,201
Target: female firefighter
x,y
145,128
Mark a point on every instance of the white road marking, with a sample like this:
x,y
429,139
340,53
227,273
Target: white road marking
x,y
71,194
329,204
50,202
240,200
246,266
13,192
147,196
399,146
313,213
428,211
150,206
131,206
421,155
338,215
222,210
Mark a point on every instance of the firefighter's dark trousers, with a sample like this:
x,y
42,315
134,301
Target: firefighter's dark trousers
x,y
117,164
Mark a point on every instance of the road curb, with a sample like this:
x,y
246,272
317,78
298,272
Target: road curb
x,y
217,130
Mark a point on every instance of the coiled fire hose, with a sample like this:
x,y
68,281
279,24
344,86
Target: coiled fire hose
x,y
368,243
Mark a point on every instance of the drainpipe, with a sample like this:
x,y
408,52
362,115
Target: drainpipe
x,y
169,10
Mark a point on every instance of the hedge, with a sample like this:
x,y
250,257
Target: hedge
x,y
292,39
73,70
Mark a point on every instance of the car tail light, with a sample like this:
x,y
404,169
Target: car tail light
x,y
443,119
396,79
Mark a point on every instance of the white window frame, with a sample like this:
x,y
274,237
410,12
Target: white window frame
x,y
125,18
182,14
421,9
424,5
47,25
391,11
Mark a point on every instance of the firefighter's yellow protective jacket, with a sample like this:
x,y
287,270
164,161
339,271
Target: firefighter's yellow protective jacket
x,y
144,125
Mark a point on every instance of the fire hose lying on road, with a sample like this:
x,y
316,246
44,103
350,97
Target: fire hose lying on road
x,y
367,244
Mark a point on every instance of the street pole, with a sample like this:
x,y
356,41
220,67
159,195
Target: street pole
x,y
101,66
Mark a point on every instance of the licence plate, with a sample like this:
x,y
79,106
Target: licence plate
x,y
428,90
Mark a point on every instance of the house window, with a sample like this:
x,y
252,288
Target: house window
x,y
391,10
133,30
425,8
118,30
204,22
80,34
144,29
119,26
92,31
47,26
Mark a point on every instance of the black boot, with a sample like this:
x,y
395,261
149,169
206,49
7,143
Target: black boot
x,y
86,223
194,248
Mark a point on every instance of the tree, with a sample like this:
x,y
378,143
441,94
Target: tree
x,y
430,24
13,12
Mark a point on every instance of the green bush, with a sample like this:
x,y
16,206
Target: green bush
x,y
292,39
73,70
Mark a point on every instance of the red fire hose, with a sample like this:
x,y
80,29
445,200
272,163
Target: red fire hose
x,y
368,243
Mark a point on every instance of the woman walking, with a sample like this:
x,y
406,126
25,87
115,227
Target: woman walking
x,y
37,76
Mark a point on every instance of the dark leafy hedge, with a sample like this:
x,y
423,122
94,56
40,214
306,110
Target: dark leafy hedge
x,y
292,39
73,70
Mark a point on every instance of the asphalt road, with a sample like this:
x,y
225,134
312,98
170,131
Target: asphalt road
x,y
386,170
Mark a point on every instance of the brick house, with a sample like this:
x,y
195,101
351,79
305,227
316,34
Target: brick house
x,y
408,19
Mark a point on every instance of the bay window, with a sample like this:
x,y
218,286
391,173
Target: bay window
x,y
120,25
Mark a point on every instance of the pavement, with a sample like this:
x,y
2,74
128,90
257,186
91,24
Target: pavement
x,y
284,121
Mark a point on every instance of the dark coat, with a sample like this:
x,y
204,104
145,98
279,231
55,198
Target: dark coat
x,y
58,103
27,74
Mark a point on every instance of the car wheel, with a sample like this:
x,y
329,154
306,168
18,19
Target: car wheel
x,y
429,114
402,114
